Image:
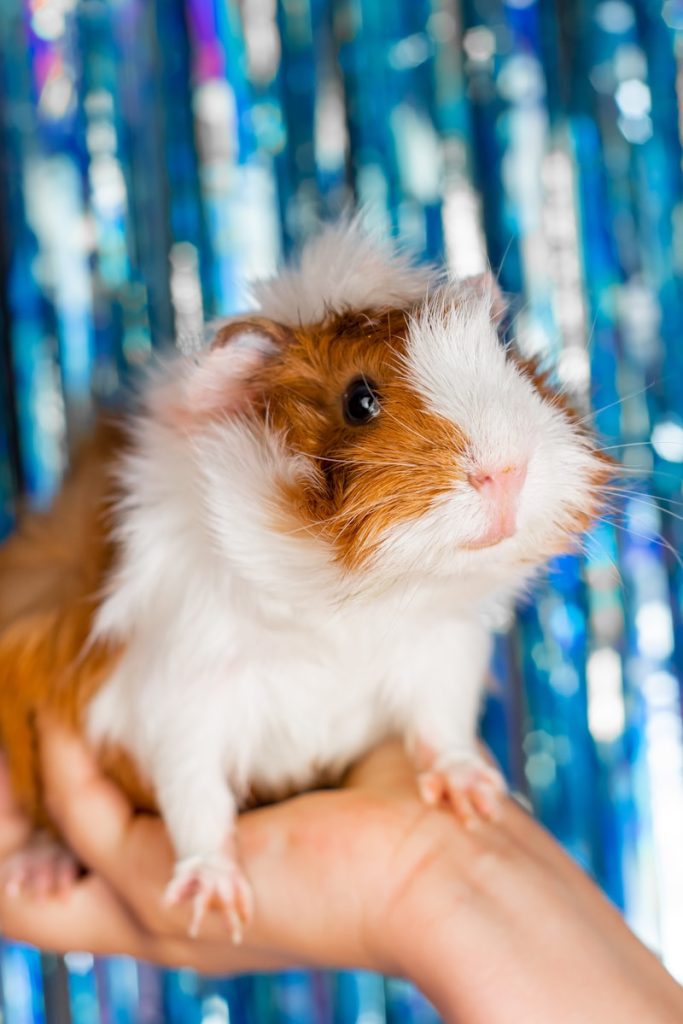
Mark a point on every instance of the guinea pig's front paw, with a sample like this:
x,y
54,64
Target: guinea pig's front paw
x,y
212,880
468,784
42,868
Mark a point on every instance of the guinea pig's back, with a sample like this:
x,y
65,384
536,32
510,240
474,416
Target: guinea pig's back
x,y
58,558
51,574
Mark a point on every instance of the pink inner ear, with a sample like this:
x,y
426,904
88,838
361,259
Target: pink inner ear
x,y
221,383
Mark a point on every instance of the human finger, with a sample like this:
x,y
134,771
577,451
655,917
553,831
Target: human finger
x,y
90,917
14,827
87,916
91,813
130,852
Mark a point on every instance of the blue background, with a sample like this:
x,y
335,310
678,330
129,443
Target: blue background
x,y
158,154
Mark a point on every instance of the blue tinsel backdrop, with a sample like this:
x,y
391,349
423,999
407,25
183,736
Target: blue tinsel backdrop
x,y
158,154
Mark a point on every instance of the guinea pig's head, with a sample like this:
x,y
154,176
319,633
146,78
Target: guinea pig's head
x,y
412,442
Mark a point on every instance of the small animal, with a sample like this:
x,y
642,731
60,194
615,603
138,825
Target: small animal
x,y
290,551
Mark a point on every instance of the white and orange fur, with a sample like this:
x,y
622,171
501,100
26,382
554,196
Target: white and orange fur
x,y
242,593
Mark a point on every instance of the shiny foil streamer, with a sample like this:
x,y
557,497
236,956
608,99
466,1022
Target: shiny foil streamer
x,y
158,155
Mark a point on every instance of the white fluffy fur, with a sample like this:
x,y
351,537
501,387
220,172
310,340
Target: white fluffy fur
x,y
342,268
251,657
457,363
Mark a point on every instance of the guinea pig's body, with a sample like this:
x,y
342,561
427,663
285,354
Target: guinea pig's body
x,y
275,694
305,529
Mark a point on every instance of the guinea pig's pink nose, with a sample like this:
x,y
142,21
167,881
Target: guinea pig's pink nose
x,y
501,486
505,483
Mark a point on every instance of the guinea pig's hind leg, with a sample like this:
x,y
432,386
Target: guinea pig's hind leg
x,y
199,810
43,867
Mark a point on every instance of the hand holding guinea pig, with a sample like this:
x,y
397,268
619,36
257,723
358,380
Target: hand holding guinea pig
x,y
290,553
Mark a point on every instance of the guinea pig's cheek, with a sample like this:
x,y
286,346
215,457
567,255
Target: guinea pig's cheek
x,y
563,497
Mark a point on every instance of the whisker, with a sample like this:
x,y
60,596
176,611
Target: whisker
x,y
633,444
591,334
646,474
416,433
630,490
358,462
619,401
505,255
650,502
347,515
658,539
594,540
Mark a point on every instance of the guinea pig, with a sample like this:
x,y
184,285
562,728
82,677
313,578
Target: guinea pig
x,y
289,552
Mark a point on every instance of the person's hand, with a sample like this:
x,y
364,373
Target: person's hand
x,y
495,923
326,869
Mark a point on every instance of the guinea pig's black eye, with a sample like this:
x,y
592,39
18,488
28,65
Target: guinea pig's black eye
x,y
361,402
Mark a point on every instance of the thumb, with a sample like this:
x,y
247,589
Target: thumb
x,y
91,813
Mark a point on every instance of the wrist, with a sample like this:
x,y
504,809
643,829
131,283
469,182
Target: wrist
x,y
413,928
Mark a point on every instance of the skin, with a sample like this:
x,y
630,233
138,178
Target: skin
x,y
493,922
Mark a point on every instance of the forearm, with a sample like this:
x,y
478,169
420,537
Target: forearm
x,y
536,983
525,936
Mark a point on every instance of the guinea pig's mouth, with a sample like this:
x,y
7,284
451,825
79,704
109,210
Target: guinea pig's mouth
x,y
495,535
484,545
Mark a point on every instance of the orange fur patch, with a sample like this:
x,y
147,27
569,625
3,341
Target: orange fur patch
x,y
371,477
120,767
51,575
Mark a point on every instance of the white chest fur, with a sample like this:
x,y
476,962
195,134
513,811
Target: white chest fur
x,y
281,703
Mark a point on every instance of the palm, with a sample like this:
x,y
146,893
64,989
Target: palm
x,y
322,856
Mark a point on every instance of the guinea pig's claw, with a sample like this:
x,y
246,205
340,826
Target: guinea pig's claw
x,y
471,787
212,881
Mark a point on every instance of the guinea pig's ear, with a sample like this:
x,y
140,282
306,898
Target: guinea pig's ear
x,y
486,286
254,334
225,377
